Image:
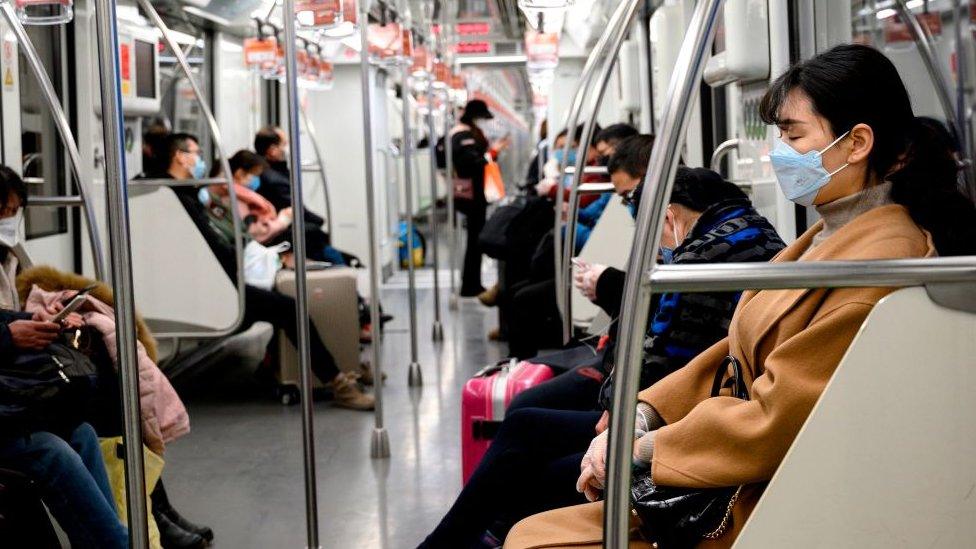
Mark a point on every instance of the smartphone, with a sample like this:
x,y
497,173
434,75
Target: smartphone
x,y
73,304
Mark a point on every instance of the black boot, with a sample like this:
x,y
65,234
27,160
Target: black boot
x,y
174,537
162,506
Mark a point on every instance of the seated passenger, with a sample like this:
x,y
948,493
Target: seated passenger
x,y
67,465
259,305
264,222
885,189
533,462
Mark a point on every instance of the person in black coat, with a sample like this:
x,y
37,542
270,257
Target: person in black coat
x,y
470,147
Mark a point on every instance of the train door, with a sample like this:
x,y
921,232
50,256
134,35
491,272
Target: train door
x,y
31,145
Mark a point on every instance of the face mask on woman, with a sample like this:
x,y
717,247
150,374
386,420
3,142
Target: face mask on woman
x,y
667,254
10,229
558,154
253,182
801,176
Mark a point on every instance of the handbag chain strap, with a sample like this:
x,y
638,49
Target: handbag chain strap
x,y
726,520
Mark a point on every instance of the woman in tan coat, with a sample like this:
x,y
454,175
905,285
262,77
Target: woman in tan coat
x,y
886,188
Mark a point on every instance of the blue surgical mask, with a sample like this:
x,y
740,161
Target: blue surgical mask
x,y
559,155
667,255
254,182
200,168
801,176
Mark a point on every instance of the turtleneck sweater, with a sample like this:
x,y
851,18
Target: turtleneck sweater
x,y
842,211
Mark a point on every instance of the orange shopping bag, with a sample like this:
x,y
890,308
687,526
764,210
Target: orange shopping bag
x,y
494,184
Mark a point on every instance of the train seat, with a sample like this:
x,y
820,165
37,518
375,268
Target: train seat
x,y
885,458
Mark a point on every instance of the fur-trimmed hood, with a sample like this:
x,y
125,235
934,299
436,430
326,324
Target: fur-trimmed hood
x,y
53,280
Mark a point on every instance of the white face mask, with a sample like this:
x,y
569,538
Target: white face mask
x,y
10,229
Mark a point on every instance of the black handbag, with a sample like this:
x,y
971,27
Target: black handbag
x,y
49,390
676,518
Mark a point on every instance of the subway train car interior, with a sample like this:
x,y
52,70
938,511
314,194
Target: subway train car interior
x,y
478,274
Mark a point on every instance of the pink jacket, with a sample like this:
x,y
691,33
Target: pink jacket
x,y
164,417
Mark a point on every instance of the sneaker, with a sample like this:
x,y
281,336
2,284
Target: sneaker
x,y
365,374
347,393
489,297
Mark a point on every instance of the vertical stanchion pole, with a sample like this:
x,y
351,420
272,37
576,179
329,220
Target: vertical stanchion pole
x,y
449,155
117,207
437,332
658,184
380,441
414,376
301,281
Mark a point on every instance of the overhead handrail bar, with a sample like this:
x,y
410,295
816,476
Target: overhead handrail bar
x,y
663,164
954,118
380,439
437,330
319,168
572,118
301,274
600,187
724,149
60,119
117,208
215,134
619,35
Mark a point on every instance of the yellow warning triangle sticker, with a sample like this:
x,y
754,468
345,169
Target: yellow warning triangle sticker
x,y
8,78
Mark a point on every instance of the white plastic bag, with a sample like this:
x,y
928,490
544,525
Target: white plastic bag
x,y
262,263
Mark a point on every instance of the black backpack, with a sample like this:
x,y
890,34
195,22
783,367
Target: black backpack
x,y
516,226
49,390
23,520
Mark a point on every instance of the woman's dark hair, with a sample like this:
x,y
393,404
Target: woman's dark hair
x,y
854,84
11,183
699,189
247,161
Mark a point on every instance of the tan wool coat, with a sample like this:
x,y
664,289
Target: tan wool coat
x,y
789,343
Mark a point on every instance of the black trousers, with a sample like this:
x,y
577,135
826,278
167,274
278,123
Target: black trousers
x,y
471,273
533,318
279,311
577,389
532,466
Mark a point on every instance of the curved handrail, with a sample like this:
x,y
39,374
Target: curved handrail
x,y
724,149
225,168
64,132
572,118
619,34
661,169
956,120
320,157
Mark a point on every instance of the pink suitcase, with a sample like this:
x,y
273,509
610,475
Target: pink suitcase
x,y
483,404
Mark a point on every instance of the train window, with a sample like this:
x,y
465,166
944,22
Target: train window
x,y
42,153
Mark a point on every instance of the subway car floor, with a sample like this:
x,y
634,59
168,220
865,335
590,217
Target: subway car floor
x,y
240,469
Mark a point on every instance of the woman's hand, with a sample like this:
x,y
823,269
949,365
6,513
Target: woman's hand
x,y
593,468
32,334
544,187
604,422
586,276
50,311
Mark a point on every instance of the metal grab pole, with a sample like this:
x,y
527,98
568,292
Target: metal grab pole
x,y
619,34
117,207
224,159
571,120
451,212
320,158
637,296
955,120
380,440
437,332
64,132
301,280
414,375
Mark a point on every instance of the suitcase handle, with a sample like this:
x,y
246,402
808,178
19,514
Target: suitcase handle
x,y
493,369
